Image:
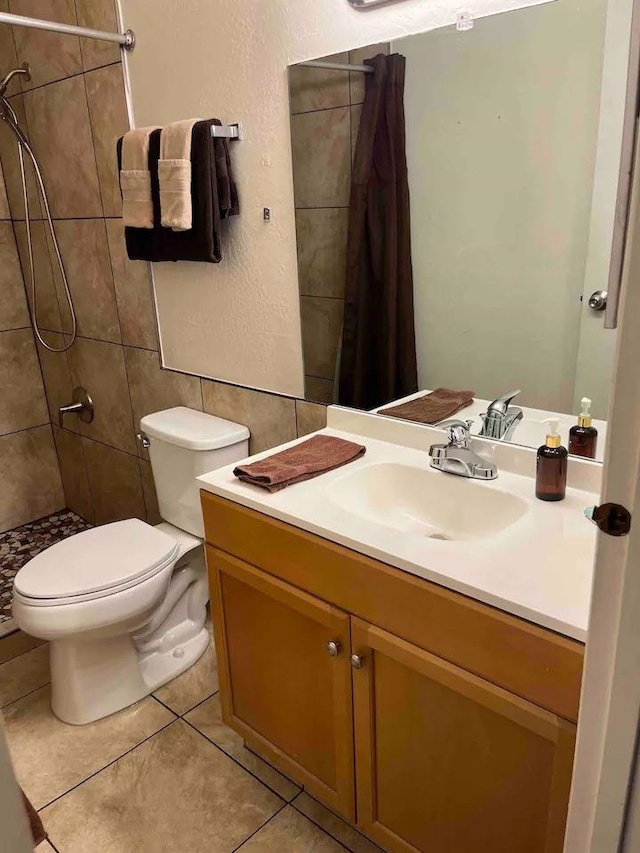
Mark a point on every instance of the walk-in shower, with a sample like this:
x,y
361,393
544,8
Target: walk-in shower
x,y
9,117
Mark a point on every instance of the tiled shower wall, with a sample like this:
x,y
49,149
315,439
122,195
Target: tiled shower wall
x,y
74,110
325,117
30,485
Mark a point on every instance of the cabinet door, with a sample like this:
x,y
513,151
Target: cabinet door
x,y
282,688
447,762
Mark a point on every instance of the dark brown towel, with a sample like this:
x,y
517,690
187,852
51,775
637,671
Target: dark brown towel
x,y
309,459
431,408
37,829
213,197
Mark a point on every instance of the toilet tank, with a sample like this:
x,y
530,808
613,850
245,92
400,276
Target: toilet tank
x,y
183,444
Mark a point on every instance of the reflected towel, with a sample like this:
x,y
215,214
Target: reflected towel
x,y
309,459
431,408
174,175
135,179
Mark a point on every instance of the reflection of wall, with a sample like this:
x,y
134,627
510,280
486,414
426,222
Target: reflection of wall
x,y
229,57
501,130
29,472
325,115
596,351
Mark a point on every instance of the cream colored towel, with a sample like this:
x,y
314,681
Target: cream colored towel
x,y
135,179
174,175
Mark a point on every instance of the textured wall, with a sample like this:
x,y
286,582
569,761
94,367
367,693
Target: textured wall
x,y
240,321
73,110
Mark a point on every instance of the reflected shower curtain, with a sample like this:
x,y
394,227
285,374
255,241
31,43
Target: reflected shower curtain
x,y
378,360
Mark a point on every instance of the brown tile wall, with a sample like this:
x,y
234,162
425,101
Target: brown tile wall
x,y
74,110
29,473
325,116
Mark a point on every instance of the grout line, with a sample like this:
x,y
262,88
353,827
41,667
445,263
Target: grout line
x,y
115,760
67,77
239,764
261,827
325,109
326,831
29,693
25,429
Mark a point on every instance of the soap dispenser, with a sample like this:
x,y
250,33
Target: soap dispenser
x,y
583,438
551,465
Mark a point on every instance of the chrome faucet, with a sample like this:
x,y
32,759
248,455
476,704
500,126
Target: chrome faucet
x,y
457,457
501,418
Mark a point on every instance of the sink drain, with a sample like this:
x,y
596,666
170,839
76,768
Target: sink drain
x,y
441,536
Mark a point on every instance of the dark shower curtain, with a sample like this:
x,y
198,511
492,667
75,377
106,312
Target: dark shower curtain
x,y
378,361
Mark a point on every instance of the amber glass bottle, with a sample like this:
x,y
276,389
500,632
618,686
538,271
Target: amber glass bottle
x,y
583,438
551,467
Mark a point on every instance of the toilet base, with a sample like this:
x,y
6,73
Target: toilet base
x,y
91,679
159,668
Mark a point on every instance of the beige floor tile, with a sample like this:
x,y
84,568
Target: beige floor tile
x,y
24,674
176,792
290,832
17,643
207,718
193,686
50,757
334,825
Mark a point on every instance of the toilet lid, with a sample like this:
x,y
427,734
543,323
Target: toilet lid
x,y
97,560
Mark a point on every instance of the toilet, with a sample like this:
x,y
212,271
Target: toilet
x,y
124,605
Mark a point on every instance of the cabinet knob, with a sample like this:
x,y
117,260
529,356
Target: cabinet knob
x,y
333,648
356,661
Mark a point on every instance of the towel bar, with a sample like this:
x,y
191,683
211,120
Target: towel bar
x,y
227,131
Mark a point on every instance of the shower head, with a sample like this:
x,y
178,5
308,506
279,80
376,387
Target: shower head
x,y
24,69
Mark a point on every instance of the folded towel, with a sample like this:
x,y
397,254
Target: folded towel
x,y
309,459
204,241
135,179
431,408
174,175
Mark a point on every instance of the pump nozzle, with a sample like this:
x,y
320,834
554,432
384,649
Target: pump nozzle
x,y
584,418
553,436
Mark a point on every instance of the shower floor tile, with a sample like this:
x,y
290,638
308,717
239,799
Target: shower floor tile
x,y
18,546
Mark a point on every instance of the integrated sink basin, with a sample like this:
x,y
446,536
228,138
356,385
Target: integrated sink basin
x,y
426,503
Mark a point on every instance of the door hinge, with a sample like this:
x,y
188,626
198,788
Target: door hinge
x,y
612,519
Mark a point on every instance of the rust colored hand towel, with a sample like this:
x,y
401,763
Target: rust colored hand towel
x,y
37,829
309,459
431,408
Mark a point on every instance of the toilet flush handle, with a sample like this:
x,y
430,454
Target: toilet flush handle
x,y
143,439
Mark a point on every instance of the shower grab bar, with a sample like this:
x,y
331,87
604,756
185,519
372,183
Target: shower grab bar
x,y
126,39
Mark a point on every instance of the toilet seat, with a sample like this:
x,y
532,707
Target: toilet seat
x,y
95,563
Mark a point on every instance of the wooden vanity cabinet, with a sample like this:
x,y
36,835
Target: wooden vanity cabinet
x,y
282,686
426,752
448,762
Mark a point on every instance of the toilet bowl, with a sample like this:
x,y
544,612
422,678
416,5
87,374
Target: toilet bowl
x,y
124,605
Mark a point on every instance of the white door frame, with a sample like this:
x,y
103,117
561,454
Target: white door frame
x,y
610,705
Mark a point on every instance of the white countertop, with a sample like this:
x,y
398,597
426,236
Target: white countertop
x,y
540,568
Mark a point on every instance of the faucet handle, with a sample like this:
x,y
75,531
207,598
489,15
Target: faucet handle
x,y
459,432
502,403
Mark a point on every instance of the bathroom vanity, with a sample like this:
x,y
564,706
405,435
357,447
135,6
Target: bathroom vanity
x,y
430,714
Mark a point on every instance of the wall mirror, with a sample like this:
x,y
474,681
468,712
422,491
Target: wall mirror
x,y
480,280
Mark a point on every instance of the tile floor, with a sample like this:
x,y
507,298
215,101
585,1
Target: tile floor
x,y
165,775
18,546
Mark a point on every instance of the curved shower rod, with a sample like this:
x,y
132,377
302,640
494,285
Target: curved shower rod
x,y
126,39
